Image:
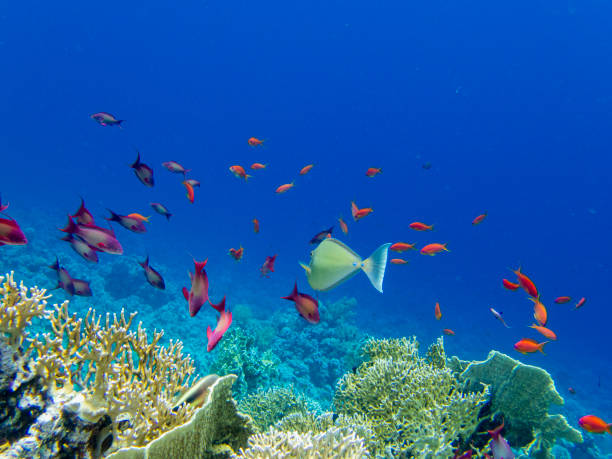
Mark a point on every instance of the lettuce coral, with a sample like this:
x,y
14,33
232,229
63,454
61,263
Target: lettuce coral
x,y
413,405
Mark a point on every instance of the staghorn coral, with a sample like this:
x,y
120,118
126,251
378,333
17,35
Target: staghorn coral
x,y
335,443
413,406
522,394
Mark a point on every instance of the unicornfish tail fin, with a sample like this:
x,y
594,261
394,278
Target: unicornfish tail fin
x,y
375,265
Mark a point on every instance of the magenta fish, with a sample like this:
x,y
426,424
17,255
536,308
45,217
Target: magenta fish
x,y
10,233
198,295
81,287
133,224
306,305
175,167
223,323
82,248
98,238
268,266
106,119
153,277
499,446
83,216
192,182
143,172
161,209
63,278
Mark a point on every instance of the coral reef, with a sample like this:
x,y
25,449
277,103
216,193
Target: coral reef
x,y
216,430
414,406
522,394
335,443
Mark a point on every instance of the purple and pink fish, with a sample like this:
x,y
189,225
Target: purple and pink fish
x,y
153,277
143,172
223,323
101,239
198,295
106,119
10,232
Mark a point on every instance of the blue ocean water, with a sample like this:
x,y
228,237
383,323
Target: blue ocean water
x,y
509,103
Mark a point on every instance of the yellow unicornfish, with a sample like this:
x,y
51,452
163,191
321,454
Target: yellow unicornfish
x,y
332,262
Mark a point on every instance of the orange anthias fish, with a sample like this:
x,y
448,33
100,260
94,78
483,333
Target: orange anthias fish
x,y
479,219
580,303
236,253
418,226
448,331
136,216
432,249
398,261
239,171
528,346
190,193
548,333
526,283
563,299
223,323
253,141
284,188
372,171
257,166
539,311
510,285
255,225
358,213
343,225
594,424
401,247
306,169
306,305
437,311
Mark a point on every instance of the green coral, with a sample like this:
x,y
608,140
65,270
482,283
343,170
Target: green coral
x,y
522,394
414,406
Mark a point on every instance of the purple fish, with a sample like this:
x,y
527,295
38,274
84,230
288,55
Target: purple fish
x,y
82,248
153,277
161,209
130,223
83,216
63,278
175,167
81,287
143,172
499,446
321,235
10,233
106,119
98,238
198,295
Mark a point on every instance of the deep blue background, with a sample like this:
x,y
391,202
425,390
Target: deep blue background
x,y
511,103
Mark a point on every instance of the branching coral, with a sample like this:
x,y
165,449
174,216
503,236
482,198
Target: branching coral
x,y
413,406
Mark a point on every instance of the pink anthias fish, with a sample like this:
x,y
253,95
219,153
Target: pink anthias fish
x,y
153,277
498,316
161,209
499,446
268,266
106,119
82,215
198,295
143,172
82,248
101,239
64,281
10,233
223,323
175,167
130,223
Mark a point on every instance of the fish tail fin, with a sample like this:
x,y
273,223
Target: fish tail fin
x,y
145,263
541,347
168,216
306,267
55,265
444,245
70,227
293,295
137,162
220,306
114,217
375,265
246,177
199,265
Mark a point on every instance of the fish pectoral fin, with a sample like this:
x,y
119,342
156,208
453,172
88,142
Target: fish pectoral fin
x,y
306,268
186,293
375,265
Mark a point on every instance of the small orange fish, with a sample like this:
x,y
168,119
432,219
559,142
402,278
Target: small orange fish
x,y
594,424
563,299
526,283
139,217
545,331
255,225
306,169
448,331
257,166
432,249
401,247
343,225
239,172
253,141
479,219
372,171
418,226
284,188
437,311
580,303
528,346
358,213
510,285
398,261
539,312
236,253
190,193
